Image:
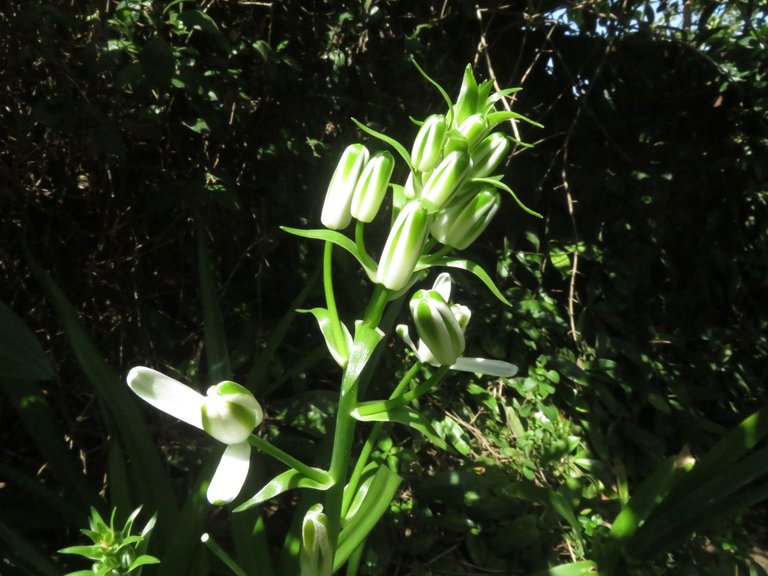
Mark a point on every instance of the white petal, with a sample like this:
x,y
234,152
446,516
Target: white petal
x,y
230,474
497,368
443,285
167,394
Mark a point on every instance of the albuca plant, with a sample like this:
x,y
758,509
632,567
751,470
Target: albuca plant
x,y
450,194
114,552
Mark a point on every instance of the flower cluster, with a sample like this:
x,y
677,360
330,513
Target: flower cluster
x,y
450,194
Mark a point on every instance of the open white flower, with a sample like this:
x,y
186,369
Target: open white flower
x,y
441,327
228,412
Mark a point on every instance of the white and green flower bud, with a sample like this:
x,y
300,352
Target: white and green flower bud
x,y
459,224
371,186
403,246
488,155
428,146
230,413
337,213
437,326
473,128
316,557
466,103
444,181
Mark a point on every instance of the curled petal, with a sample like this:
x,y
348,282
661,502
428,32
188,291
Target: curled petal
x,y
230,474
486,366
167,394
443,285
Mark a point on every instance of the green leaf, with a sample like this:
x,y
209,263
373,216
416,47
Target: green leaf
x,y
407,416
121,410
325,322
219,368
338,239
380,493
464,264
583,568
499,184
288,480
21,356
143,560
440,89
363,345
391,141
199,20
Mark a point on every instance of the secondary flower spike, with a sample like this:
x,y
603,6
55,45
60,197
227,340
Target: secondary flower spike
x,y
228,412
440,342
337,213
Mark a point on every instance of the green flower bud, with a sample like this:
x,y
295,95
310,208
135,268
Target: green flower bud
x,y
473,128
428,145
487,156
444,181
466,103
371,186
459,224
230,413
437,326
316,556
403,246
338,199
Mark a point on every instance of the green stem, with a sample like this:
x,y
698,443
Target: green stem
x,y
405,398
330,299
360,243
266,447
222,555
373,436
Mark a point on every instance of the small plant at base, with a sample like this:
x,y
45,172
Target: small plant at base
x,y
114,552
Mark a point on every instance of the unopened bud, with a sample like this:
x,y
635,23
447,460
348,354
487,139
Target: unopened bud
x,y
371,186
444,181
466,103
338,199
473,128
487,156
428,145
230,412
437,326
459,224
403,246
316,557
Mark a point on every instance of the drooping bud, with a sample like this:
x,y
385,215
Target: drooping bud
x,y
444,181
371,186
487,156
336,213
403,246
466,103
473,128
230,412
459,224
437,326
428,145
316,557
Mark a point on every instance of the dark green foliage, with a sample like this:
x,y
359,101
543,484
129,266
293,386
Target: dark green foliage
x,y
136,132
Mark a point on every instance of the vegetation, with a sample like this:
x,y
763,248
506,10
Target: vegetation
x,y
152,151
